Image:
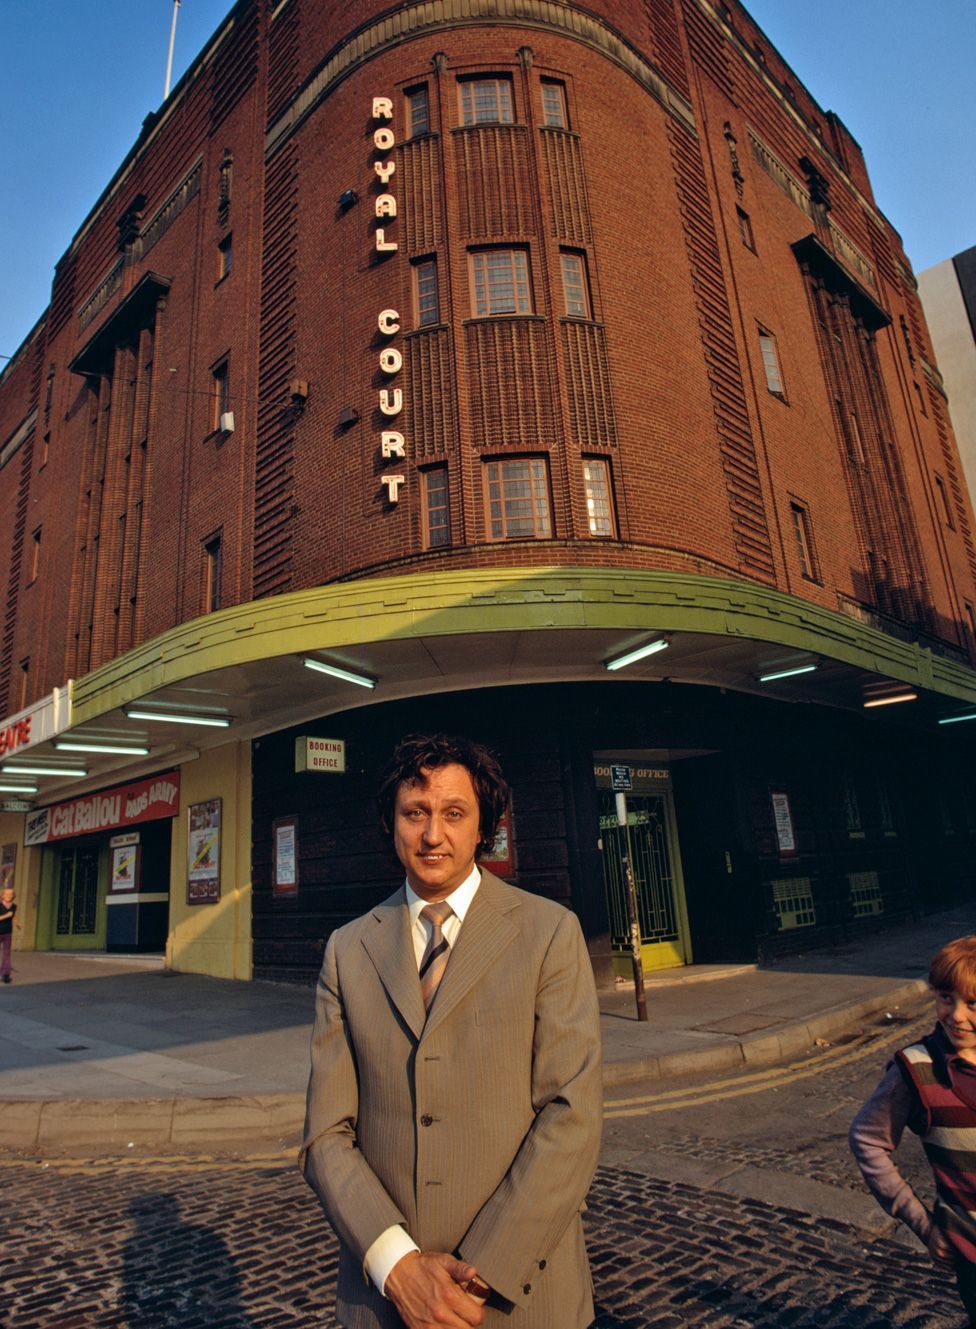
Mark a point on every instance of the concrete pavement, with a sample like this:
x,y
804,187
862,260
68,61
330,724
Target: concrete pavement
x,y
109,1053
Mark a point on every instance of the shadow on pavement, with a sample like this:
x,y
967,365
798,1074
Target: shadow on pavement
x,y
176,1273
63,1005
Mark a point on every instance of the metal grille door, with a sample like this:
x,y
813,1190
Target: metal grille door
x,y
77,893
647,835
66,884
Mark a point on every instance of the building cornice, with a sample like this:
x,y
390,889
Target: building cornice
x,y
431,16
773,87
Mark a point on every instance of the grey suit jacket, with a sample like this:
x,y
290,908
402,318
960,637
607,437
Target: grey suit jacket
x,y
477,1128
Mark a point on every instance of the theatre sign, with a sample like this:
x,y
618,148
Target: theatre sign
x,y
47,717
110,809
391,399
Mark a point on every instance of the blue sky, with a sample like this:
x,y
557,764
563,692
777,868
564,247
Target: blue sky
x,y
80,78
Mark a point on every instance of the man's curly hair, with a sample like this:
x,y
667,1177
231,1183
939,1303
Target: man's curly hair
x,y
416,753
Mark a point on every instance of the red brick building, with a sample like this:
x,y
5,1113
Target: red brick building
x,y
469,350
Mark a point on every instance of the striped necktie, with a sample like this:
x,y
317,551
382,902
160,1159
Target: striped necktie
x,y
436,955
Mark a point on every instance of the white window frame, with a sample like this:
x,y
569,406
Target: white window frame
x,y
488,100
518,503
500,282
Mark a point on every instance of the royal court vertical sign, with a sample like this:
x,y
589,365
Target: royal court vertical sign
x,y
391,403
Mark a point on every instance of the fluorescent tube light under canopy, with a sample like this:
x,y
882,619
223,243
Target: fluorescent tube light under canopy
x,y
787,673
639,653
94,745
890,700
178,717
346,675
30,769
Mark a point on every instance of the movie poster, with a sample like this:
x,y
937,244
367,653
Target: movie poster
x,y
125,862
285,867
203,875
8,861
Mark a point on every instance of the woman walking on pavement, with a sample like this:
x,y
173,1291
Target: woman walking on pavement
x,y
7,910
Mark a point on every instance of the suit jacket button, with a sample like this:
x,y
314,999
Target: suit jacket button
x,y
542,1264
526,1288
426,1120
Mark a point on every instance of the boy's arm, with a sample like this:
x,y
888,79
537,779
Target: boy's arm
x,y
874,1136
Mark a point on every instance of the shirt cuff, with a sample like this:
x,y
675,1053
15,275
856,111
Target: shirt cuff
x,y
388,1248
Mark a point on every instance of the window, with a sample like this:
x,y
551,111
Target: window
x,y
885,814
501,282
879,571
745,229
945,814
970,621
220,393
437,511
518,498
418,110
486,101
554,104
599,496
24,683
793,903
45,451
35,555
921,399
226,187
770,359
212,561
852,809
141,432
426,295
944,501
800,517
866,897
967,809
225,254
856,441
576,292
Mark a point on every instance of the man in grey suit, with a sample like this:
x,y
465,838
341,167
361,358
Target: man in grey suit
x,y
454,1105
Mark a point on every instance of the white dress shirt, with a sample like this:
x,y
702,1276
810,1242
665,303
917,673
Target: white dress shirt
x,y
393,1244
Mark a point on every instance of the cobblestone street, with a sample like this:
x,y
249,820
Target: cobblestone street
x,y
726,1201
240,1243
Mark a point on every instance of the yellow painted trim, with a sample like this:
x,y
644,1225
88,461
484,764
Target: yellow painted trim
x,y
654,956
678,873
48,903
25,881
353,615
214,939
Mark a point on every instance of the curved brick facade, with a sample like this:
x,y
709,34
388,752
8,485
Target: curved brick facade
x,y
681,221
457,287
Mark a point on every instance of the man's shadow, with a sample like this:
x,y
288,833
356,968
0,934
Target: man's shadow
x,y
173,1271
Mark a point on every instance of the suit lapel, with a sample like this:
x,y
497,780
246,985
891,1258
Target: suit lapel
x,y
390,947
486,932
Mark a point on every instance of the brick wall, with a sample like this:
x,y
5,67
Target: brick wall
x,y
665,381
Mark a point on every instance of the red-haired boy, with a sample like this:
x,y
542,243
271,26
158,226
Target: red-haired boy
x,y
930,1087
